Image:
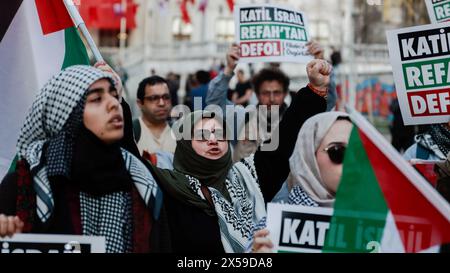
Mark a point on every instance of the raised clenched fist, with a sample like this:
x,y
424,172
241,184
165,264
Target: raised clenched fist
x,y
319,72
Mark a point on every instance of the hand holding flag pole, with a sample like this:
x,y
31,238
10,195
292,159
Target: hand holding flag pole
x,y
79,23
100,62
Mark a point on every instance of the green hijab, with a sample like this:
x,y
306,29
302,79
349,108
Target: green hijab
x,y
210,173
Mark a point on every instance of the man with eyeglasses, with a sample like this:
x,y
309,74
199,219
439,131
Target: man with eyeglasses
x,y
271,86
152,130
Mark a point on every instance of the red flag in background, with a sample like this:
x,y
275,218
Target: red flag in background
x,y
184,12
230,5
203,5
106,14
53,16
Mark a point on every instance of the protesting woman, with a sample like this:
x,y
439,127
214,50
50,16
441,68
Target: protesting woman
x,y
213,205
316,166
72,176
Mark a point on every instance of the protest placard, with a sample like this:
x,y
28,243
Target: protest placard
x,y
40,243
296,228
439,10
269,33
420,59
300,229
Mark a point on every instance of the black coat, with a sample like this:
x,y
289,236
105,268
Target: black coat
x,y
193,231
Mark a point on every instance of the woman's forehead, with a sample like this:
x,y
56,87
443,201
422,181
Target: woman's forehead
x,y
101,83
339,131
208,123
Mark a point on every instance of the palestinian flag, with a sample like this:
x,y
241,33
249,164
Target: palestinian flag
x,y
37,39
382,203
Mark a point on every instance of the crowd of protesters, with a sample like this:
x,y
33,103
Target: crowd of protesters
x,y
196,185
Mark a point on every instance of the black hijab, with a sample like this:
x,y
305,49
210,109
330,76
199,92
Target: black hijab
x,y
98,168
210,173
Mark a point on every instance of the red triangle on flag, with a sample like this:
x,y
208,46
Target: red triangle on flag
x,y
421,214
53,16
407,202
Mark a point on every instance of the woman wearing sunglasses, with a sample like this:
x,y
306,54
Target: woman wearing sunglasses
x,y
212,204
316,166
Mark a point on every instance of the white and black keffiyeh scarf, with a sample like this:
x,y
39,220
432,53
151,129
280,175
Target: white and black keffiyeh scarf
x,y
441,136
46,126
237,218
436,140
299,197
46,143
109,216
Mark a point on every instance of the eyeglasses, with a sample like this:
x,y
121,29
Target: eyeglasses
x,y
157,98
205,135
336,153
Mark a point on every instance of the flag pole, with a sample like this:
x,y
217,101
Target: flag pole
x,y
79,23
123,31
402,165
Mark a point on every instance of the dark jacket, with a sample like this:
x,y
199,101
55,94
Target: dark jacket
x,y
193,231
17,197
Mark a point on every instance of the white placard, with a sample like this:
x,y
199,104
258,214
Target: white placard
x,y
298,229
43,243
271,33
439,10
420,58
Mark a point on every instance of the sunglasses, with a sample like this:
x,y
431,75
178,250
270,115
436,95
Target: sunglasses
x,y
156,98
205,135
336,153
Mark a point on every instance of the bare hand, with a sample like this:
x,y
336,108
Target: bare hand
x,y
233,55
319,72
10,225
262,243
315,49
108,69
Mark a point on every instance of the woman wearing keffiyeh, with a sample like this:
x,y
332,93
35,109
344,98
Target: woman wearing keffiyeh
x,y
70,143
73,176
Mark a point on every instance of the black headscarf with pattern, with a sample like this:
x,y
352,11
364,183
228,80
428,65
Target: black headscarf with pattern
x,y
441,136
